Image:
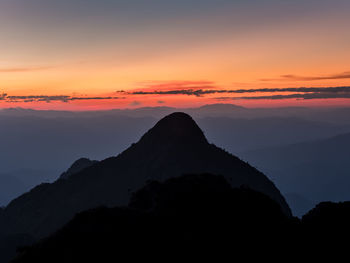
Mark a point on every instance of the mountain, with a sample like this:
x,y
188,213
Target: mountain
x,y
41,144
174,146
17,182
184,213
9,245
197,215
329,213
77,166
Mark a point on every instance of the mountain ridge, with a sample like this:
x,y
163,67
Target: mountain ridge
x,y
110,182
77,166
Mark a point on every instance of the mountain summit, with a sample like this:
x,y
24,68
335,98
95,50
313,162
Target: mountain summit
x,y
173,147
177,127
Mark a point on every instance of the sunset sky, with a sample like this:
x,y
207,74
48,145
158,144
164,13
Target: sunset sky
x,y
102,54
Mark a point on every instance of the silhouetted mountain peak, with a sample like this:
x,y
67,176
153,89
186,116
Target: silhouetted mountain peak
x,y
173,147
176,127
77,166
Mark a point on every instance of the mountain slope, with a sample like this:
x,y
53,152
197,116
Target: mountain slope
x,y
77,166
189,216
183,213
174,146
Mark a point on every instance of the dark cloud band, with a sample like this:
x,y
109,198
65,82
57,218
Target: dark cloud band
x,y
343,75
305,93
202,92
306,96
46,98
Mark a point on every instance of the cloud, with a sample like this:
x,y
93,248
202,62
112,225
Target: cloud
x,y
48,99
189,92
289,77
95,98
3,96
172,88
135,103
305,93
300,89
37,98
202,92
182,84
305,96
24,69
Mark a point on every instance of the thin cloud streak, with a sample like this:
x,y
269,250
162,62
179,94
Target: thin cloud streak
x,y
45,98
135,103
24,69
181,84
306,96
290,77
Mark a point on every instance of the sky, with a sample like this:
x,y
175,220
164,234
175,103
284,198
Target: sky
x,y
103,54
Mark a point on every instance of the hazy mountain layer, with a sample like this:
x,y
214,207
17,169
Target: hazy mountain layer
x,y
317,170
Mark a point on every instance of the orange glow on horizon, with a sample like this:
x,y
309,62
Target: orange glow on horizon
x,y
199,51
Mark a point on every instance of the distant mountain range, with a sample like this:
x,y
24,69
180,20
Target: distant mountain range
x,y
333,115
242,135
317,170
15,183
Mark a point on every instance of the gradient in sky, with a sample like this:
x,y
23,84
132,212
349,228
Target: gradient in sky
x,y
100,54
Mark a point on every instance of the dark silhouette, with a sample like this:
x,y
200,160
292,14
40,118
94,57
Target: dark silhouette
x,y
176,145
195,215
39,145
182,214
329,213
197,210
9,245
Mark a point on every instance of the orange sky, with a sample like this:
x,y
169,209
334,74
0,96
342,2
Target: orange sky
x,y
236,47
